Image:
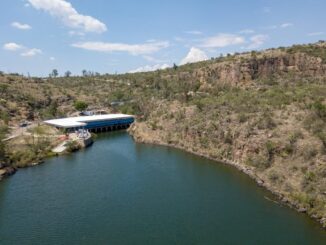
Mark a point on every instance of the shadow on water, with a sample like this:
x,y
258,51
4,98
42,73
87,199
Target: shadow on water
x,y
119,192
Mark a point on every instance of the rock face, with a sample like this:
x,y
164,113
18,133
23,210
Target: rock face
x,y
242,72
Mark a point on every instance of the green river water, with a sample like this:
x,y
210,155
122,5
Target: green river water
x,y
120,192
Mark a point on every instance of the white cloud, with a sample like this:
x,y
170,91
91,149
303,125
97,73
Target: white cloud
x,y
25,51
286,25
134,49
70,17
21,26
257,41
316,33
194,32
246,31
12,46
76,33
150,68
194,55
52,58
31,52
222,40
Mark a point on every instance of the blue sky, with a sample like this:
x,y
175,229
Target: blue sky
x,y
110,36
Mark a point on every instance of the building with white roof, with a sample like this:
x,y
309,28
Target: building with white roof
x,y
94,123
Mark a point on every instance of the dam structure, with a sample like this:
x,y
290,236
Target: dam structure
x,y
95,124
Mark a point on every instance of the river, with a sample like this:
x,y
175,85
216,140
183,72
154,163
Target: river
x,y
120,192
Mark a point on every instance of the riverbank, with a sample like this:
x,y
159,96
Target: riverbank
x,y
31,148
6,172
143,134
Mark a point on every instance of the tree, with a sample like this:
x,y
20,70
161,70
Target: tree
x,y
84,72
54,73
175,67
67,73
253,54
3,132
80,105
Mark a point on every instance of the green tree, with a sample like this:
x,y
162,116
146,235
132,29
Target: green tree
x,y
84,72
54,73
67,73
175,67
80,105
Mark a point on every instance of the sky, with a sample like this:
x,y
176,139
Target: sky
x,y
118,36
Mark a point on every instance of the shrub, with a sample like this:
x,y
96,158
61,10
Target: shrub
x,y
242,117
322,137
309,152
228,138
293,138
266,122
72,146
271,148
258,161
80,105
320,109
273,177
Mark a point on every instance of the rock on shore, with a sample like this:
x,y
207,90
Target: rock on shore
x,y
6,171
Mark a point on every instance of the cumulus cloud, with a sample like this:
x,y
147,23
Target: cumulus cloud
x,y
194,55
70,17
20,26
134,49
286,25
150,68
31,52
222,40
27,52
257,41
12,46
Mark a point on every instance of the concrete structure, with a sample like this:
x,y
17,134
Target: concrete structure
x,y
96,123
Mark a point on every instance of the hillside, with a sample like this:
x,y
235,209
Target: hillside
x,y
263,112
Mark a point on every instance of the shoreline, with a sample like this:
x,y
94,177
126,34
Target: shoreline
x,y
246,170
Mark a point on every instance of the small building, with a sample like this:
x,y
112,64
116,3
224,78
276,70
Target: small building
x,y
96,123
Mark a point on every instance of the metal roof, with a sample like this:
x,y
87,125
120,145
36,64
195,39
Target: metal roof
x,y
72,122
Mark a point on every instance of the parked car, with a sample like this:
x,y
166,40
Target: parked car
x,y
24,124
